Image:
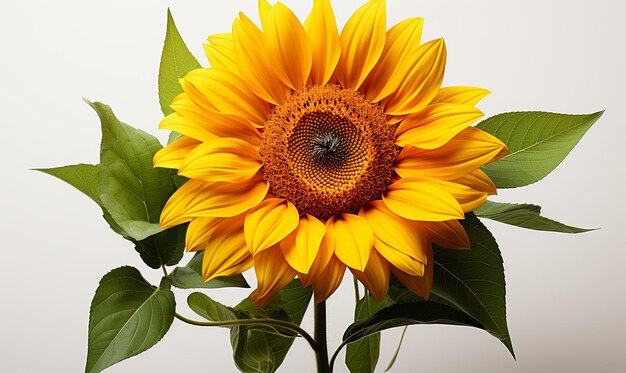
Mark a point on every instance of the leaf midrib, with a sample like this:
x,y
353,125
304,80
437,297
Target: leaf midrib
x,y
541,141
157,290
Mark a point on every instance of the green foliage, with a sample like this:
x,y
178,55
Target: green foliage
x,y
176,61
130,188
127,317
411,313
468,289
255,349
258,348
537,143
84,177
523,215
164,248
130,192
190,277
472,280
362,355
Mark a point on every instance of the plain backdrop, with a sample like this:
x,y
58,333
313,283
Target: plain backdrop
x,y
565,293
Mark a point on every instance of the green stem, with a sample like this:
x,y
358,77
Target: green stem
x,y
357,295
320,338
285,325
332,360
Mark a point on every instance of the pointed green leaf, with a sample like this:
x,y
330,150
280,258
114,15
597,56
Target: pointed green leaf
x,y
210,309
256,350
473,280
190,277
130,188
127,317
362,355
84,177
537,143
523,215
176,61
404,314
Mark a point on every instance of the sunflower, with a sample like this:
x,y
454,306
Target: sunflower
x,y
309,152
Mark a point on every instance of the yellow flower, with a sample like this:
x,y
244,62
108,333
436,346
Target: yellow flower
x,y
309,151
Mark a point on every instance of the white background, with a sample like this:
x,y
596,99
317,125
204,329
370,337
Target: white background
x,y
565,293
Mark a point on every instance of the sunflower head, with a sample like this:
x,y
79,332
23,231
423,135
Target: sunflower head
x,y
310,151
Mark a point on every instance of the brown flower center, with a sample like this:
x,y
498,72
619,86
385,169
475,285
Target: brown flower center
x,y
328,151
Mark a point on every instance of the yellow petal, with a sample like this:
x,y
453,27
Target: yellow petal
x,y
225,159
220,52
255,66
200,231
224,91
205,124
321,28
264,10
401,234
449,234
270,222
460,95
435,125
397,60
172,155
478,180
350,238
328,280
464,153
198,198
289,46
272,273
225,251
322,258
375,277
421,83
362,42
398,259
468,198
420,285
416,199
300,247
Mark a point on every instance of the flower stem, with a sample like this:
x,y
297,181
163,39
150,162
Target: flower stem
x,y
285,325
320,338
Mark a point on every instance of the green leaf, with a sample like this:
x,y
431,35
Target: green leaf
x,y
256,350
84,177
190,277
176,61
523,215
130,188
164,248
362,355
473,280
537,143
404,314
210,309
127,317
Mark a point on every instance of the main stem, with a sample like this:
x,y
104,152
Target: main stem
x,y
320,338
